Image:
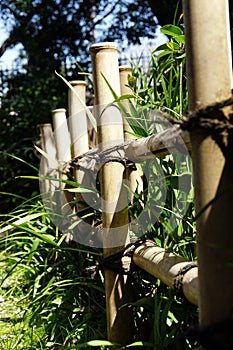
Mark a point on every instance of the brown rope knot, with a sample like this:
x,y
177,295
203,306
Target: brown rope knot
x,y
117,262
210,118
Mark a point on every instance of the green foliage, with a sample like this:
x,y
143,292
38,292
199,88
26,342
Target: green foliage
x,y
58,304
27,103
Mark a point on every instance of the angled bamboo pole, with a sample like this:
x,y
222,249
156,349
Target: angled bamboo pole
x,y
172,140
114,215
209,80
165,266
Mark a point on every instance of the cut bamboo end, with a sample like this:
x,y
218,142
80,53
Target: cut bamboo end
x,y
61,135
125,68
165,266
78,82
103,45
44,125
105,69
77,119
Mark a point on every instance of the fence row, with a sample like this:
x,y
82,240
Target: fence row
x,y
71,139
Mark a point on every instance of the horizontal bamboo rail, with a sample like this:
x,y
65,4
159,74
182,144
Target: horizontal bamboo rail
x,y
173,140
165,266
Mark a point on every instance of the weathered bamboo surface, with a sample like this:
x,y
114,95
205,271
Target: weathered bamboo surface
x,y
113,193
172,140
209,77
165,266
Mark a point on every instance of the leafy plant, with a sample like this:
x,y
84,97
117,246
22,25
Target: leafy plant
x,y
59,304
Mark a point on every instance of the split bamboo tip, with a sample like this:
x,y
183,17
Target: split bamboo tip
x,y
102,46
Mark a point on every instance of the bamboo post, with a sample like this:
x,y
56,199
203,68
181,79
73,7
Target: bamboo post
x,y
209,81
62,143
134,178
47,164
165,266
125,71
77,119
115,220
61,135
78,129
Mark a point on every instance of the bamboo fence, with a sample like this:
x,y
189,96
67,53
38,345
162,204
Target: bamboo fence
x,y
209,76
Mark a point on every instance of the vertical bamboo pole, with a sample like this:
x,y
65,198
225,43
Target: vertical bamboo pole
x,y
47,164
115,221
77,119
125,71
209,81
62,143
78,128
79,145
132,175
61,135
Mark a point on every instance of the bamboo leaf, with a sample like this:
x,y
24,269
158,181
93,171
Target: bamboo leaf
x,y
171,30
21,221
46,155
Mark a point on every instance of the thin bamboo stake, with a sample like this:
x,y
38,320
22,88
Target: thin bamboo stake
x,y
47,164
79,145
166,266
61,135
209,80
78,129
136,183
62,143
115,218
125,71
77,119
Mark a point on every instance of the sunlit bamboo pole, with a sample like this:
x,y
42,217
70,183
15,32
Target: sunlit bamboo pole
x,y
209,80
62,143
78,129
61,135
172,140
77,119
136,183
125,71
115,219
165,266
